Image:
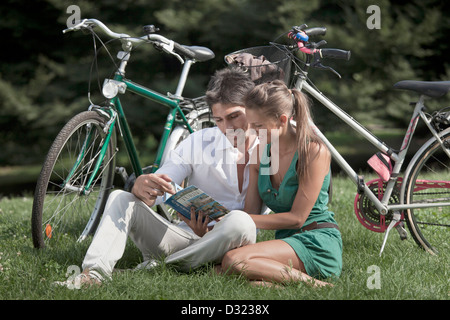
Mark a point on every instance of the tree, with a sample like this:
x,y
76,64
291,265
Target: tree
x,y
44,74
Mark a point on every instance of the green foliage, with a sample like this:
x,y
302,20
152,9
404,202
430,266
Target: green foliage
x,y
44,75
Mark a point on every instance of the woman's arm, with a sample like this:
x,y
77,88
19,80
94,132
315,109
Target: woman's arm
x,y
253,202
306,197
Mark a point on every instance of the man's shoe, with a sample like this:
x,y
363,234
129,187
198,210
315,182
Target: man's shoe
x,y
84,279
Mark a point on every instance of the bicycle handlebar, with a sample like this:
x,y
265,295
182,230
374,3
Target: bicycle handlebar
x,y
335,54
301,36
165,44
316,31
86,23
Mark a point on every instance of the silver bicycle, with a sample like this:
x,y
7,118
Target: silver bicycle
x,y
421,194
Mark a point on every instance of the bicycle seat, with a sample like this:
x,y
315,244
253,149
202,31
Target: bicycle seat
x,y
432,89
201,54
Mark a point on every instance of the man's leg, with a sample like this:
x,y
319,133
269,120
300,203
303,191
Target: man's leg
x,y
126,215
234,230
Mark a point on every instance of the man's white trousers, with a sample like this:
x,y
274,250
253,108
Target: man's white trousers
x,y
158,238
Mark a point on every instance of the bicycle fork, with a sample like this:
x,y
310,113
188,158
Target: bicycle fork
x,y
85,186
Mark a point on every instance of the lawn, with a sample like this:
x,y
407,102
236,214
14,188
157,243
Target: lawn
x,y
404,272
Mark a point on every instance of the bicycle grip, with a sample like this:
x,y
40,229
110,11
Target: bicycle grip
x,y
316,31
336,54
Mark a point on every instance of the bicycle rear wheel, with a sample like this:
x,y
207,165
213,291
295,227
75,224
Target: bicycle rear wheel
x,y
428,181
63,210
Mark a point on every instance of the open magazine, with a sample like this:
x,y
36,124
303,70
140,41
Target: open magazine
x,y
191,196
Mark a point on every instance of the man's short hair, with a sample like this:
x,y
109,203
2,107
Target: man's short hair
x,y
229,86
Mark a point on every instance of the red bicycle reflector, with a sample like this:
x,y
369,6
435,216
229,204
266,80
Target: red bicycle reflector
x,y
48,231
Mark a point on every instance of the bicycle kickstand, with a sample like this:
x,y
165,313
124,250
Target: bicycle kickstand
x,y
394,221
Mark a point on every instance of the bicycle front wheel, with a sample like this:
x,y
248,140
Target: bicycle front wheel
x,y
428,182
65,207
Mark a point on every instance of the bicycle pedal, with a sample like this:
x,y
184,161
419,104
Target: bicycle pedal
x,y
361,185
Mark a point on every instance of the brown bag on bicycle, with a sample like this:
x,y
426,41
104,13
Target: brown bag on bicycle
x,y
261,70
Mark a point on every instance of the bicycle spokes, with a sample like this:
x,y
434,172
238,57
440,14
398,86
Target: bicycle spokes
x,y
76,180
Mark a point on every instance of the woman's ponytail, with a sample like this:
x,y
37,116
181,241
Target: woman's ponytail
x,y
304,131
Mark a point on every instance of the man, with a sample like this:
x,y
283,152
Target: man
x,y
214,162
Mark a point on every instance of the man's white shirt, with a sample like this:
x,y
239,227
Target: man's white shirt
x,y
209,160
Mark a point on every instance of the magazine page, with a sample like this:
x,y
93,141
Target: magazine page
x,y
192,196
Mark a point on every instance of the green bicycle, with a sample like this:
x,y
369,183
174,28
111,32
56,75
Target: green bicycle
x,y
78,173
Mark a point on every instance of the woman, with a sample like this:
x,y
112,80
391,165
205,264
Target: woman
x,y
292,178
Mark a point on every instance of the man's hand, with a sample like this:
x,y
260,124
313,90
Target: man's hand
x,y
148,187
198,223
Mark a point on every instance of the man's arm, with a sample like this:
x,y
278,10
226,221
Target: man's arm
x,y
150,186
176,168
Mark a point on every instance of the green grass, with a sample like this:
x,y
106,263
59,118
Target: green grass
x,y
406,272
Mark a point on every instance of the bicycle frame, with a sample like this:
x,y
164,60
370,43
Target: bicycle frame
x,y
382,205
176,116
172,118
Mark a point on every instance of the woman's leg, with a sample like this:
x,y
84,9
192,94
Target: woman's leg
x,y
236,229
272,261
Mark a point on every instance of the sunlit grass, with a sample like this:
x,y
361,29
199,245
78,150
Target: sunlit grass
x,y
405,271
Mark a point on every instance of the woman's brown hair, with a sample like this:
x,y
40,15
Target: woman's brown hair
x,y
274,99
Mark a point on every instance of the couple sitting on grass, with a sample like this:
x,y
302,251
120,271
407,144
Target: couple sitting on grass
x,y
276,164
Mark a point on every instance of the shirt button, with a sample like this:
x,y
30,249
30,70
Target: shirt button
x,y
268,190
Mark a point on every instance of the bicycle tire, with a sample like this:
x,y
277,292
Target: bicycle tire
x,y
202,121
428,175
61,213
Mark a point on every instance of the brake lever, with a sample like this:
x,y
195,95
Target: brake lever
x,y
168,48
321,66
82,23
318,64
317,45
